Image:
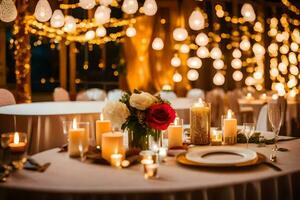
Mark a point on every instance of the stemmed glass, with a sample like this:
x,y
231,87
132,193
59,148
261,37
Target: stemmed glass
x,y
276,110
248,130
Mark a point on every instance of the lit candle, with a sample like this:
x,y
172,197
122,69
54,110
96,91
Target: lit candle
x,y
150,170
17,145
249,96
112,143
175,134
230,128
116,160
77,137
200,123
102,126
216,137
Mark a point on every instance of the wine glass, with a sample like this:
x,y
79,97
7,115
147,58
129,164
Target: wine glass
x,y
276,110
248,130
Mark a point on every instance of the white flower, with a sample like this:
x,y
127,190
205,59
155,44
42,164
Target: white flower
x,y
142,101
117,112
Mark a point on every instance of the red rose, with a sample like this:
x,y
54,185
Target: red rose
x,y
159,116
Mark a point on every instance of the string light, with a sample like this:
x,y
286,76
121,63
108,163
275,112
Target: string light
x,y
194,62
180,34
8,11
216,53
201,39
150,7
130,6
87,4
43,11
196,20
130,31
218,64
175,61
177,77
248,13
102,15
101,31
57,19
192,75
157,44
202,52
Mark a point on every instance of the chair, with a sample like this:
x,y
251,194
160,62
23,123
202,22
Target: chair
x,y
93,94
167,95
195,94
60,94
217,99
114,95
6,97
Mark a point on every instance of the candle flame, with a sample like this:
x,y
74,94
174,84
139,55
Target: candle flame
x,y
176,121
229,114
16,138
74,123
101,117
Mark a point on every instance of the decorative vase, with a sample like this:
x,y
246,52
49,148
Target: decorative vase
x,y
145,141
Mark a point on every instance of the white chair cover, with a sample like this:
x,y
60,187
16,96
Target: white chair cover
x,y
6,97
114,95
93,94
60,94
168,95
195,94
262,120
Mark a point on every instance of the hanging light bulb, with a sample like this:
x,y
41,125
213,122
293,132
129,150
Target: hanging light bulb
x,y
180,34
192,75
43,11
194,62
216,53
196,20
130,31
245,44
284,49
70,24
294,46
130,6
218,64
219,79
236,53
201,39
294,70
236,63
150,7
100,31
258,50
282,67
237,75
87,4
57,19
106,2
249,81
177,77
202,52
248,13
184,48
293,58
175,61
157,44
89,35
274,72
8,11
102,15
258,75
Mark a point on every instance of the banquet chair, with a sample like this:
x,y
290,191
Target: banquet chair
x,y
6,97
217,99
60,94
114,95
93,94
195,94
167,95
244,114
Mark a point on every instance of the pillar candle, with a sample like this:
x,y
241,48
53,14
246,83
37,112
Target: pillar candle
x,y
102,126
230,128
17,145
200,123
112,143
77,136
175,134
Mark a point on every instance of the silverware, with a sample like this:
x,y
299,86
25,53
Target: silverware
x,y
272,165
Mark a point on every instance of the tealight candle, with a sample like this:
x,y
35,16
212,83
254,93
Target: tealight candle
x,y
17,145
116,160
102,126
78,140
230,128
112,143
175,132
216,137
150,170
200,123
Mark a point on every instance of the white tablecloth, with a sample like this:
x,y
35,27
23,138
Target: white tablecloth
x,y
43,121
70,179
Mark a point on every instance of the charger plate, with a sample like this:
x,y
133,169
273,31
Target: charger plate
x,y
182,159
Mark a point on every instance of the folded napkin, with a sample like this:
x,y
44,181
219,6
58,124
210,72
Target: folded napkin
x,y
33,165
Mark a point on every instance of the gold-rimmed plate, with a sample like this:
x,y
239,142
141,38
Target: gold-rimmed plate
x,y
181,159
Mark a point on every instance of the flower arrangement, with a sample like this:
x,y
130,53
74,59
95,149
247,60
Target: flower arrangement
x,y
141,114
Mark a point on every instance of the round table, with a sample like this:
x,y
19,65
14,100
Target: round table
x,y
43,121
68,178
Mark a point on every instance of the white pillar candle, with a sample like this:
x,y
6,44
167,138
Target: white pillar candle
x,y
175,134
102,126
77,136
230,128
112,143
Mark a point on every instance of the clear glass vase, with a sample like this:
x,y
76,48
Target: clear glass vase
x,y
145,141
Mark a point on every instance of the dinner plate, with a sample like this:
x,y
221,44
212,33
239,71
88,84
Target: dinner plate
x,y
220,156
181,159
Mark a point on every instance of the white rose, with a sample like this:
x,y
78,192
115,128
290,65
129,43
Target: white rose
x,y
142,101
117,112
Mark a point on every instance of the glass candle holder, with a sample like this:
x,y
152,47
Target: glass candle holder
x,y
215,137
14,146
150,171
116,160
200,114
149,155
175,133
